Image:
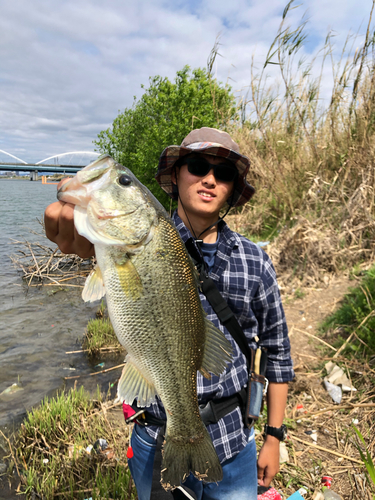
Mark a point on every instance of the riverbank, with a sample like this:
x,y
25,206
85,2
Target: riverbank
x,y
321,439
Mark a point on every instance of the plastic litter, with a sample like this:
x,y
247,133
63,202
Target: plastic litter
x,y
284,456
74,451
100,365
100,445
318,495
263,243
314,437
336,382
326,481
331,495
311,433
337,376
334,391
45,460
296,496
269,493
11,389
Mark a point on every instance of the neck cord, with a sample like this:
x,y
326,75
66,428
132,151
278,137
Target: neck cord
x,y
197,240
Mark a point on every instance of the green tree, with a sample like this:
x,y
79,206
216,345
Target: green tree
x,y
164,115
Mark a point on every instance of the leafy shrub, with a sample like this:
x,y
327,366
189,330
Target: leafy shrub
x,y
163,116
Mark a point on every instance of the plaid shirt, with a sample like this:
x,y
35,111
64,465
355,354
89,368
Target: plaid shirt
x,y
245,276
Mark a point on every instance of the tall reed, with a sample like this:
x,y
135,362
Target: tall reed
x,y
313,165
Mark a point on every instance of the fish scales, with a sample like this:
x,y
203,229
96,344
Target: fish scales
x,y
158,351
153,302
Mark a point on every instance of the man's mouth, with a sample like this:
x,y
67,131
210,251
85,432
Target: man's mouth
x,y
205,195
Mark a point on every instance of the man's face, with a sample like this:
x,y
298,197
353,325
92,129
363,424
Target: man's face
x,y
203,196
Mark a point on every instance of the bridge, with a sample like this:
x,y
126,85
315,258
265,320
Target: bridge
x,y
42,166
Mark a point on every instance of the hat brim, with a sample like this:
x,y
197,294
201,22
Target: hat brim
x,y
243,191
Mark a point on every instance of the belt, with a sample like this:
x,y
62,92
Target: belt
x,y
210,412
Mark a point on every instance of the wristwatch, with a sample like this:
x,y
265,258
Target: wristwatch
x,y
278,432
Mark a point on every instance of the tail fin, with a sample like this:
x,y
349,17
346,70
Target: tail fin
x,y
196,455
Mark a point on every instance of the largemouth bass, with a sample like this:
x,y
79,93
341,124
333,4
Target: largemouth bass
x,y
151,288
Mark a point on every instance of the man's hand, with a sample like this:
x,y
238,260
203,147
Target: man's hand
x,y
59,225
268,461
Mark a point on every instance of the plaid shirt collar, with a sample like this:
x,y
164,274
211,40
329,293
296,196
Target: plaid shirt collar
x,y
228,240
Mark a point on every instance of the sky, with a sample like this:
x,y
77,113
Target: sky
x,y
68,67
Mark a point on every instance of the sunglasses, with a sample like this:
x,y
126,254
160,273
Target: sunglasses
x,y
222,171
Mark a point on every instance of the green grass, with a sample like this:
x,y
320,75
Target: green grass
x,y
99,334
356,313
51,451
365,456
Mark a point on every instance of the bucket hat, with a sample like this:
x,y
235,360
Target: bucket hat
x,y
212,142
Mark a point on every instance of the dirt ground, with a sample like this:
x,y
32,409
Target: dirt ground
x,y
311,410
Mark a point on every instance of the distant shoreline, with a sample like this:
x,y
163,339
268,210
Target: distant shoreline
x,y
24,179
18,179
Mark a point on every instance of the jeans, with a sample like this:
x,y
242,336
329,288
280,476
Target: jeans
x,y
239,472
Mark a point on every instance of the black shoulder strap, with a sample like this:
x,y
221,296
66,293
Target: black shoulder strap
x,y
218,303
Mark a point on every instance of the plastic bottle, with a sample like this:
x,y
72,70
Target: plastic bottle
x,y
331,495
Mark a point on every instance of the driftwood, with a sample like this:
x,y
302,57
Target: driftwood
x,y
42,265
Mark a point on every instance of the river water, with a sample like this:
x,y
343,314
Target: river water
x,y
37,327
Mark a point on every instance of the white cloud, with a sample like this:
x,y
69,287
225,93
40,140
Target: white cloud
x,y
68,67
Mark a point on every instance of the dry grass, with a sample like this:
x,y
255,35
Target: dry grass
x,y
312,166
335,453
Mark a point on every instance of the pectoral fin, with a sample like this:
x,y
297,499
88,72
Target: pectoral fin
x,y
130,280
217,351
132,384
94,286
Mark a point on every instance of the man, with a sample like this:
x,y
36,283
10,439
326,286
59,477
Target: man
x,y
204,174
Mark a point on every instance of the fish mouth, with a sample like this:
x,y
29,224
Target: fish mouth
x,y
73,192
78,189
76,193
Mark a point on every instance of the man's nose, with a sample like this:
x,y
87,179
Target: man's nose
x,y
209,178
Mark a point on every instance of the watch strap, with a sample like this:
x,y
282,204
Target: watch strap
x,y
278,432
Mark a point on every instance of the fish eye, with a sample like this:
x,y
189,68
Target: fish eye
x,y
124,180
